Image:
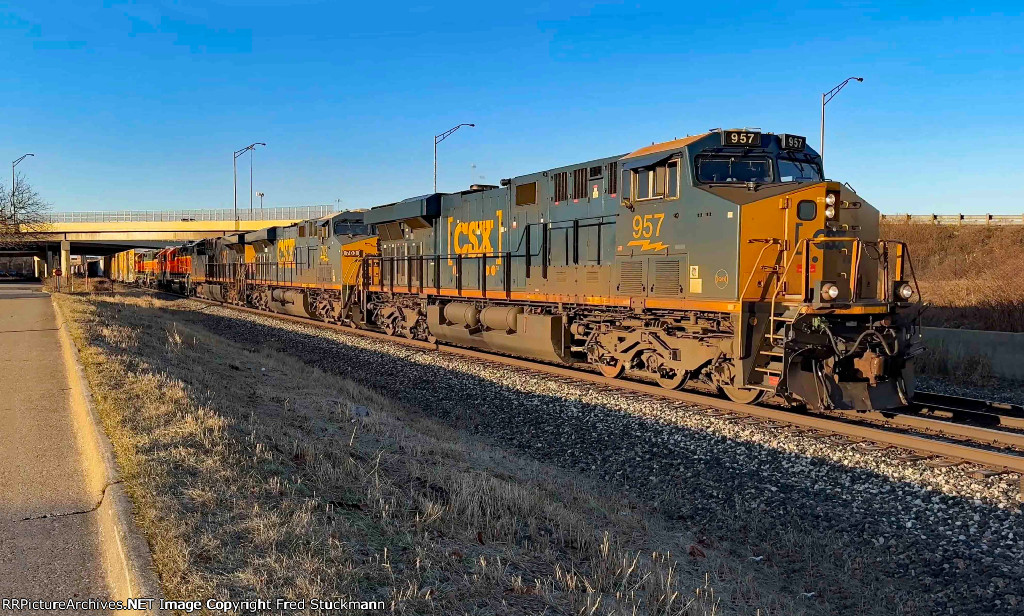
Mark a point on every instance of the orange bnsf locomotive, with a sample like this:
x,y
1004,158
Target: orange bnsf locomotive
x,y
723,258
167,268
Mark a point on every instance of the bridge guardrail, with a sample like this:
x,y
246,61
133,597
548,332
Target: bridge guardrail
x,y
304,212
956,219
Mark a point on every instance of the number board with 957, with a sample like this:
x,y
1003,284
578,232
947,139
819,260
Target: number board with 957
x,y
792,142
742,138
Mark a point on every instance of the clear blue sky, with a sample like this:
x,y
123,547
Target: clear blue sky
x,y
138,105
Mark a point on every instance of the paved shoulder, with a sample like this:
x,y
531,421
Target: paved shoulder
x,y
49,546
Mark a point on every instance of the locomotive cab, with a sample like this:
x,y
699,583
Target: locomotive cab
x,y
827,304
818,307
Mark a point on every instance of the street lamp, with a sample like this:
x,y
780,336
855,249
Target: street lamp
x,y
260,195
234,171
14,208
438,139
825,98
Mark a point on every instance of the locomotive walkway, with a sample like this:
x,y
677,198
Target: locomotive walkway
x,y
49,534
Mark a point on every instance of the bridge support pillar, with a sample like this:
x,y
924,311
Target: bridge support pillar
x,y
39,267
52,260
65,257
108,265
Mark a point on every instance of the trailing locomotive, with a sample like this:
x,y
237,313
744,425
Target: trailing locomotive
x,y
724,258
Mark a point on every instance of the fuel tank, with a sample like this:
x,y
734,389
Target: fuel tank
x,y
290,301
211,291
501,329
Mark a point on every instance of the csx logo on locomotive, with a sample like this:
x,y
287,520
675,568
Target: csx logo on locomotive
x,y
286,251
472,238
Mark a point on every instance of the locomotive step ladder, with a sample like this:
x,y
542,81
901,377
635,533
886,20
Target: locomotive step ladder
x,y
770,360
771,353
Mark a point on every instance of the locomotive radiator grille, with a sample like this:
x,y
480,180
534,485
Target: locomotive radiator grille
x,y
579,183
631,277
666,278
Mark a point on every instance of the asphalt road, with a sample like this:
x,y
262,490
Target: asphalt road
x,y
49,539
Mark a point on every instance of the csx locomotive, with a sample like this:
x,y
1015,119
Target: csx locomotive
x,y
724,258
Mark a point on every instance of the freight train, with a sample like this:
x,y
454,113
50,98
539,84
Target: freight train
x,y
724,258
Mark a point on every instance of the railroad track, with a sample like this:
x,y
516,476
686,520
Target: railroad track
x,y
988,423
992,414
950,429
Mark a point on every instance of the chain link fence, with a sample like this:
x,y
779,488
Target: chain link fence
x,y
304,212
956,219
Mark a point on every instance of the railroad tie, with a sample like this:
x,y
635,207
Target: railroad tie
x,y
943,462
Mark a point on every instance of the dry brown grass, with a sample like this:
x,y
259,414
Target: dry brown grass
x,y
250,479
78,285
973,370
972,276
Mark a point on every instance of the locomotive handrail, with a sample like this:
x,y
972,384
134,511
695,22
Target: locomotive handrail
x,y
573,224
805,274
772,241
388,276
855,264
899,267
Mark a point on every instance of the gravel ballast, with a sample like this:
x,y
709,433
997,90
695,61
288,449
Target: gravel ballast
x,y
994,389
950,543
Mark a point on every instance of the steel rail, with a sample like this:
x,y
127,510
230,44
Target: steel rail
x,y
1000,414
941,427
995,460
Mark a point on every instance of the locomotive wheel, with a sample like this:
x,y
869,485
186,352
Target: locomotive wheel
x,y
675,381
901,389
323,311
613,370
743,395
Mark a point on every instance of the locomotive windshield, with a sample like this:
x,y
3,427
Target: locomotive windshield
x,y
740,169
794,170
345,227
725,169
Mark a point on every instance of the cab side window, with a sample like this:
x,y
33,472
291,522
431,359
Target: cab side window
x,y
657,181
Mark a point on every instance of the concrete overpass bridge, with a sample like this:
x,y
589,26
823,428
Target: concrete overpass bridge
x,y
107,232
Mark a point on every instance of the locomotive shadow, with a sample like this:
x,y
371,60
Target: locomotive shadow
x,y
776,504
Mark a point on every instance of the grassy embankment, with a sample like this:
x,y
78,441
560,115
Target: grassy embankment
x,y
973,278
972,275
251,479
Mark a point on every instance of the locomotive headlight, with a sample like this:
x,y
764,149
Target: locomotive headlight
x,y
830,211
829,291
830,199
906,291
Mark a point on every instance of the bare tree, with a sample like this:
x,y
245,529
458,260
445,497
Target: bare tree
x,y
22,218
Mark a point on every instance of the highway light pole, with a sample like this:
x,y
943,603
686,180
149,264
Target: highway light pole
x,y
260,195
14,208
825,98
234,172
438,139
